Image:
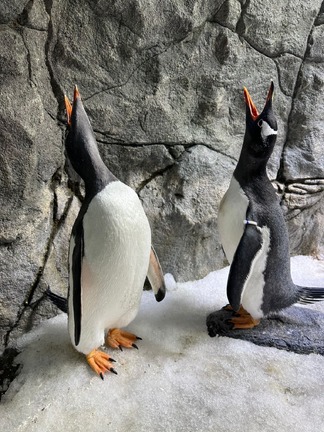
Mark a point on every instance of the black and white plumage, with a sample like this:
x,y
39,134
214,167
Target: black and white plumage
x,y
253,231
110,251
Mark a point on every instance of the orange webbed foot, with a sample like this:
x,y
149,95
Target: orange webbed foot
x,y
243,320
117,338
100,362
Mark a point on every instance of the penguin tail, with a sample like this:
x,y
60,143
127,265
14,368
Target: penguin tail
x,y
57,300
310,295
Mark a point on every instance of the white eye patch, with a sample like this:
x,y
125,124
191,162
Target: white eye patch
x,y
266,130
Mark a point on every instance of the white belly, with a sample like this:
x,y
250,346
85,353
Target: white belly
x,y
117,243
252,294
231,216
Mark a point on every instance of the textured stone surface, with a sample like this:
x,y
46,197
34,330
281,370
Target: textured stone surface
x,y
294,329
162,83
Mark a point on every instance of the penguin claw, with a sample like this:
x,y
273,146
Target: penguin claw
x,y
226,320
243,320
117,338
100,362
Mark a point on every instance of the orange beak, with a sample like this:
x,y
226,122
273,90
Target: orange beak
x,y
68,105
76,92
254,113
249,102
68,108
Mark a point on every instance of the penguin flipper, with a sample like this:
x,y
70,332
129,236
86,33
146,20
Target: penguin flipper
x,y
57,300
77,243
155,276
249,245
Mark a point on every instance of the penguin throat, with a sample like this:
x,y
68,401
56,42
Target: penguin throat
x,y
251,165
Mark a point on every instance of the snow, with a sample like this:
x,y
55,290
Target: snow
x,y
180,379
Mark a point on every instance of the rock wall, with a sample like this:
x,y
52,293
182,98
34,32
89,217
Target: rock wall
x,y
162,83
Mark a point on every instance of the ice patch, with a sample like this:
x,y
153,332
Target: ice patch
x,y
179,380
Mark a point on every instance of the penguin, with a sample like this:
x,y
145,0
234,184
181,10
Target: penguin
x,y
110,251
253,231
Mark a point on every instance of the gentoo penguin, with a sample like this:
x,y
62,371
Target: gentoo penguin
x,y
253,232
110,251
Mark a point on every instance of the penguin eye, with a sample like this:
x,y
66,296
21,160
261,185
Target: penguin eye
x,y
260,123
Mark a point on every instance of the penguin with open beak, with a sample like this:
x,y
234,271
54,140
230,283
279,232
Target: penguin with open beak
x,y
110,251
253,231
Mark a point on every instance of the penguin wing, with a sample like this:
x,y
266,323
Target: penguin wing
x,y
76,256
248,247
155,276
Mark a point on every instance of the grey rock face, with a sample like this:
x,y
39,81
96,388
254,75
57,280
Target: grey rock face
x,y
162,83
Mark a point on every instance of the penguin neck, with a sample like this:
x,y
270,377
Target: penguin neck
x,y
250,167
87,162
97,175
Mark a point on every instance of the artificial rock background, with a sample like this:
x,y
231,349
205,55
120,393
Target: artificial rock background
x,y
162,83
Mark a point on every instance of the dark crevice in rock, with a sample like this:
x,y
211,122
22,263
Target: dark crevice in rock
x,y
76,189
306,181
268,54
281,87
141,64
130,75
142,120
114,140
309,204
56,225
56,89
176,157
294,212
320,17
309,192
9,241
218,151
23,18
8,369
175,151
252,46
298,84
240,30
20,30
153,176
51,115
240,25
30,74
123,24
166,144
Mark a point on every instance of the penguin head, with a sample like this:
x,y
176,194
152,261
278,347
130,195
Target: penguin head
x,y
261,129
81,146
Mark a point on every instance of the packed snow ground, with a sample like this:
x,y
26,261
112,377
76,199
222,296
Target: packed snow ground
x,y
180,379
